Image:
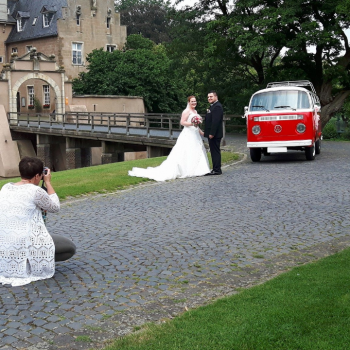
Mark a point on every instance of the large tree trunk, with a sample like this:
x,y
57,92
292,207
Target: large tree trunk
x,y
331,104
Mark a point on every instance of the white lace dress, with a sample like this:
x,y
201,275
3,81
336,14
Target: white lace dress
x,y
27,251
188,158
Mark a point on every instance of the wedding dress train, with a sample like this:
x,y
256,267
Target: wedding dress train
x,y
188,158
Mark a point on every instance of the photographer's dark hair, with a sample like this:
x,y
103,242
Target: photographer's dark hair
x,y
29,167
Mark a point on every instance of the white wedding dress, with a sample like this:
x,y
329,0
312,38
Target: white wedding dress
x,y
188,158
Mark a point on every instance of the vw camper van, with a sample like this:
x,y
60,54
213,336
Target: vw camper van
x,y
284,116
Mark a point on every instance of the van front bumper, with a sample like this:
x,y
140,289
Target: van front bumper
x,y
265,144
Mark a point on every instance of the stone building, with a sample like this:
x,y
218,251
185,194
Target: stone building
x,y
43,46
65,30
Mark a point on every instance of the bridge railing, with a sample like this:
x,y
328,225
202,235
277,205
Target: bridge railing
x,y
157,125
132,124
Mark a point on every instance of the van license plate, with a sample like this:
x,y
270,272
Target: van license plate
x,y
276,149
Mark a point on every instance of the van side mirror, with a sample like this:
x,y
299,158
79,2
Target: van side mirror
x,y
245,112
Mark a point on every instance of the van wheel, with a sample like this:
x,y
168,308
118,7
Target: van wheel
x,y
318,146
255,154
310,152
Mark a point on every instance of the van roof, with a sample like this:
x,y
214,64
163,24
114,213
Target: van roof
x,y
296,83
279,88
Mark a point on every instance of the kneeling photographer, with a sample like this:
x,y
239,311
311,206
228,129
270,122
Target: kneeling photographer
x,y
27,251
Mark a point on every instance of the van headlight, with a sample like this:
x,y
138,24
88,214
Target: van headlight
x,y
256,129
301,128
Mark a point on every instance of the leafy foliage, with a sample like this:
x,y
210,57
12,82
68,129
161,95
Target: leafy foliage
x,y
248,43
236,48
329,132
146,17
142,71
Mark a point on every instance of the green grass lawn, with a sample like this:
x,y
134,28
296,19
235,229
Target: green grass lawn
x,y
307,308
105,178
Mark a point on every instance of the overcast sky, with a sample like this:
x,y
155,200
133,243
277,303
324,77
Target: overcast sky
x,y
185,2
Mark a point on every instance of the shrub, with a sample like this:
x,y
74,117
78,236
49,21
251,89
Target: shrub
x,y
346,134
330,130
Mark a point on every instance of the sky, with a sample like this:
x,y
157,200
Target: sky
x,y
185,2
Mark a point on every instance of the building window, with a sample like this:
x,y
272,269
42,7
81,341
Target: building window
x,y
20,24
30,90
1,59
78,19
77,53
28,48
14,50
108,22
46,93
34,21
47,18
111,48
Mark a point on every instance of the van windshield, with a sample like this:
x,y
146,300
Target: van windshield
x,y
283,99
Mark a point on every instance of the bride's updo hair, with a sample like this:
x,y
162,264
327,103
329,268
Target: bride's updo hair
x,y
189,98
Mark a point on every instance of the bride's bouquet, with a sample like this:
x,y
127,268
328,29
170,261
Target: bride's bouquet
x,y
196,120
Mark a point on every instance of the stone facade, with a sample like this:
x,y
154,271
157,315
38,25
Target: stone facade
x,y
76,29
99,27
5,29
89,24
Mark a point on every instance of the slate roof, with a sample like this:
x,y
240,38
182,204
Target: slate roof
x,y
10,6
28,10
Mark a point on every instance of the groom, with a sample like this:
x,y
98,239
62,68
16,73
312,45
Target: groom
x,y
214,131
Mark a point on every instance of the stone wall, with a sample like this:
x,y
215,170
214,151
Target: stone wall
x,y
92,31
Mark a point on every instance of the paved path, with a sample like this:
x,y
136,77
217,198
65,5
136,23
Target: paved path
x,y
148,253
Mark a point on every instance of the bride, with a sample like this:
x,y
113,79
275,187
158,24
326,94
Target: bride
x,y
188,157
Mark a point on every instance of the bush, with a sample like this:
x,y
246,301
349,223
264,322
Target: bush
x,y
330,130
346,134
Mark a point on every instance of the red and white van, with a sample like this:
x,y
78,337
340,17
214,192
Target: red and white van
x,y
284,116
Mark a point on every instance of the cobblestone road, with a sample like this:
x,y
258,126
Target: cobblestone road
x,y
148,253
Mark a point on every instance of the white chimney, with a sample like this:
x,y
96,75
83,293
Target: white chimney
x,y
3,10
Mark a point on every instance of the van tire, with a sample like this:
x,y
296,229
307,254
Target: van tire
x,y
318,146
310,152
255,154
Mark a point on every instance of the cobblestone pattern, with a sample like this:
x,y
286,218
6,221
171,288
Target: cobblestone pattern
x,y
150,252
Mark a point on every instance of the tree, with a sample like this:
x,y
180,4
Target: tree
x,y
264,40
140,71
146,17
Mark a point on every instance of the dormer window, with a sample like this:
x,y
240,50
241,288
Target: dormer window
x,y
47,18
34,21
48,13
20,24
21,20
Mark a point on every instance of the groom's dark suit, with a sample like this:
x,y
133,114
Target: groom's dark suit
x,y
213,126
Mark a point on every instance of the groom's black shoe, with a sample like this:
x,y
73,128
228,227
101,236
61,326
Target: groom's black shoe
x,y
214,173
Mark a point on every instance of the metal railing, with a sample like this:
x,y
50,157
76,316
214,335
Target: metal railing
x,y
150,125
131,124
